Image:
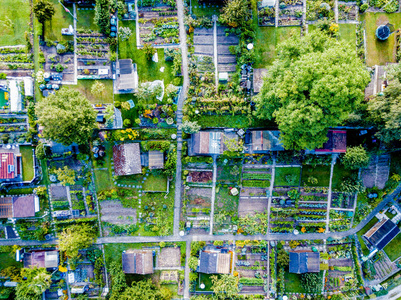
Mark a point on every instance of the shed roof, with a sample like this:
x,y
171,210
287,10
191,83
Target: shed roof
x,y
138,262
213,262
210,142
41,259
304,262
7,166
267,140
6,207
127,159
126,80
156,160
24,206
382,233
337,142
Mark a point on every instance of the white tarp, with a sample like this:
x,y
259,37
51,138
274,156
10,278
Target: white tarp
x,y
269,3
28,86
15,97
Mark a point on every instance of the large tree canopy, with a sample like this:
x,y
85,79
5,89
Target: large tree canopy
x,y
67,117
315,83
37,281
44,10
76,237
385,109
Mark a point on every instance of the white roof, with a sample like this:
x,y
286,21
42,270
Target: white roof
x,y
28,85
103,71
268,3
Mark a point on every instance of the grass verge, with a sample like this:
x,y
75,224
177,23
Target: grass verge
x,y
27,163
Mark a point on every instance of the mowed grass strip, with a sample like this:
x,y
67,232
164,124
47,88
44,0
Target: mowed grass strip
x,y
14,22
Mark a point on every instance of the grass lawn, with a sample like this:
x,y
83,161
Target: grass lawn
x,y
267,39
86,19
347,32
147,70
321,173
393,249
155,183
207,11
61,19
380,52
103,180
113,252
293,283
27,163
225,201
360,233
339,173
282,173
14,21
389,214
84,86
206,279
45,177
7,259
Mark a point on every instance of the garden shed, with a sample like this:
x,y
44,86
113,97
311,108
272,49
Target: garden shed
x,y
156,160
41,259
214,262
304,262
209,142
127,159
267,140
381,233
127,80
336,143
19,206
28,86
11,164
137,261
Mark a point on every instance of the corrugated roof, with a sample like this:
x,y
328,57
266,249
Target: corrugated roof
x,y
125,66
304,262
7,166
156,160
127,159
24,206
6,207
137,262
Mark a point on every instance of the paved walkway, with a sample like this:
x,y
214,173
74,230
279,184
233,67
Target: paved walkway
x,y
333,162
216,73
187,271
75,45
213,194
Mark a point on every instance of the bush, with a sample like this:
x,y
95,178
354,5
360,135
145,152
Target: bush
x,y
127,123
363,8
155,145
355,158
59,68
155,120
3,76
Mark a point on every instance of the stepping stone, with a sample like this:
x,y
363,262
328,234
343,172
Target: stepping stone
x,y
140,195
195,7
143,181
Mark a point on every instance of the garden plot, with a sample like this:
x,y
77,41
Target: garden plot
x,y
14,16
16,61
319,9
340,272
383,266
93,56
347,12
113,212
226,209
196,208
170,257
77,199
204,64
290,13
198,178
203,42
59,197
287,176
259,178
59,58
253,272
266,15
340,220
229,171
13,128
342,200
257,161
158,25
226,61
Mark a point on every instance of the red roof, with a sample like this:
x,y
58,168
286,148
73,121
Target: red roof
x,y
7,167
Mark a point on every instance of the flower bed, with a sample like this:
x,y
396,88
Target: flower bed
x,y
266,16
319,9
158,25
347,12
290,13
8,128
388,6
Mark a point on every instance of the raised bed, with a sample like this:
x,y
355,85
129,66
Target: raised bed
x,y
290,13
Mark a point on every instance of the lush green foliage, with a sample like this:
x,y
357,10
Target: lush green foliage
x,y
75,238
315,83
355,158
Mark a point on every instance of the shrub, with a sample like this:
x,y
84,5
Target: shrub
x,y
3,76
155,120
59,68
127,123
355,158
86,72
363,8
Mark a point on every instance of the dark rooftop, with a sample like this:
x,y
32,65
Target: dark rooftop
x,y
304,262
125,66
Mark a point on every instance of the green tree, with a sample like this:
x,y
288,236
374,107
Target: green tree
x,y
235,13
118,282
149,50
102,15
283,259
190,127
67,117
37,281
314,84
65,175
143,290
40,151
355,158
76,237
44,11
97,89
225,286
385,111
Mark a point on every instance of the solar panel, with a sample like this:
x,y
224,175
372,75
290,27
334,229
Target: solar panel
x,y
388,238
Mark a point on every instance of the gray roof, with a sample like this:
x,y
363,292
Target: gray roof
x,y
127,159
304,262
214,262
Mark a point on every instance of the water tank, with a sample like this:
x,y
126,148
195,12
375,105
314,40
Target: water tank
x,y
383,32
